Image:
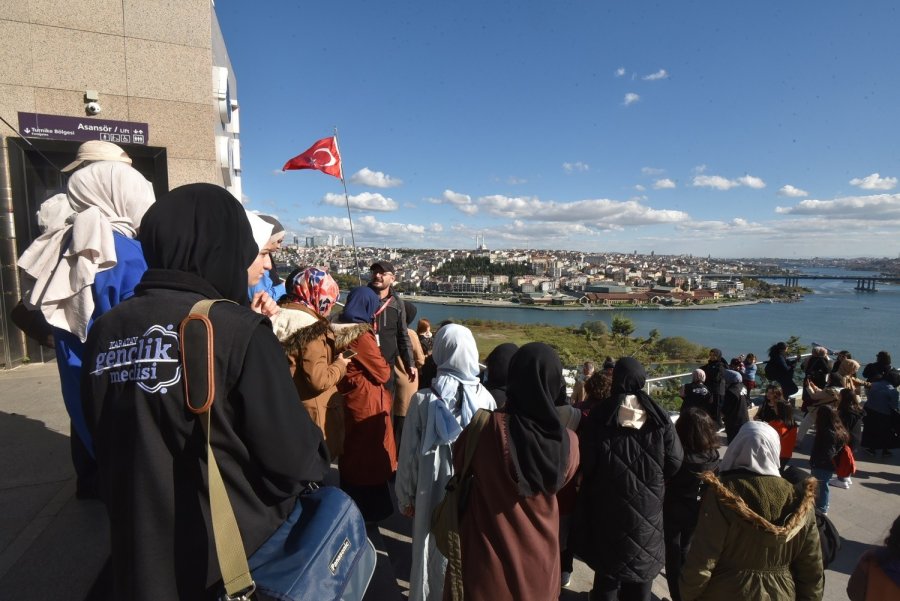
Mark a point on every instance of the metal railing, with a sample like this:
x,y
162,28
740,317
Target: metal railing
x,y
661,380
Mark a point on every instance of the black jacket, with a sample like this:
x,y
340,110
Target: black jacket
x,y
618,526
715,377
151,451
392,332
734,409
696,394
683,491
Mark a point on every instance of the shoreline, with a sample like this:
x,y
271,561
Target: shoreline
x,y
465,302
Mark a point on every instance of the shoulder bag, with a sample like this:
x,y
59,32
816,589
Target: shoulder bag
x,y
319,552
445,518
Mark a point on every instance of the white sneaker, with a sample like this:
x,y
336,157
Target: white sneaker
x,y
838,483
566,579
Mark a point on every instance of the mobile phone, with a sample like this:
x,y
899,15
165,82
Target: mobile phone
x,y
348,354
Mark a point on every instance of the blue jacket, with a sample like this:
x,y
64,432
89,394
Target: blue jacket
x,y
110,287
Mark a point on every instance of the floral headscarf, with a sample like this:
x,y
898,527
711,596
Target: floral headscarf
x,y
314,288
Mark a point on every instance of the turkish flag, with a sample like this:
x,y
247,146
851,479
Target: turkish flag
x,y
322,156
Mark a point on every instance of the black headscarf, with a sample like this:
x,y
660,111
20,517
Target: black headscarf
x,y
203,230
540,445
629,378
497,364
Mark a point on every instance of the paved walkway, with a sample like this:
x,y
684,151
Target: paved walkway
x,y
53,546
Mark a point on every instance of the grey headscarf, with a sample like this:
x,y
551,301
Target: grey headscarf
x,y
755,448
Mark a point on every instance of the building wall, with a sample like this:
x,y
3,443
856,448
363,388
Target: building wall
x,y
150,60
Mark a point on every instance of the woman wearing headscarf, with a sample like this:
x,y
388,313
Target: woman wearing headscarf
x,y
435,419
151,450
757,536
509,531
735,411
497,372
83,265
269,282
628,449
309,343
370,454
695,393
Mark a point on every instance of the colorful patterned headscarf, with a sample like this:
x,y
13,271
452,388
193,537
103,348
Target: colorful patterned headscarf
x,y
314,288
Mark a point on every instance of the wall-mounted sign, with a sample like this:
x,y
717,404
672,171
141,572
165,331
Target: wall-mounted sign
x,y
82,129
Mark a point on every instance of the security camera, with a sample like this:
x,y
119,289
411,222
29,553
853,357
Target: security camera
x,y
93,108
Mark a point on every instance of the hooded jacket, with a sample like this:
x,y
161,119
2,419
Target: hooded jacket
x,y
618,527
309,343
756,539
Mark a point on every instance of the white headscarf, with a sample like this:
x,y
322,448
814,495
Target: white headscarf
x,y
755,448
262,230
60,265
456,357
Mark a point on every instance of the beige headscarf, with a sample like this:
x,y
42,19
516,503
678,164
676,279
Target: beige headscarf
x,y
61,264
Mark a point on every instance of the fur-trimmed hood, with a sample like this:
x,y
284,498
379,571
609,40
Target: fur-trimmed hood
x,y
346,333
296,326
794,521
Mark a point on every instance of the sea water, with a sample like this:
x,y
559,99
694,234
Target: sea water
x,y
834,315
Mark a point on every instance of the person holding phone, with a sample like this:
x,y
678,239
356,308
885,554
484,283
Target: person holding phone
x,y
308,339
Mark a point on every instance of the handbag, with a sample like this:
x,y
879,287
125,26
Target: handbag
x,y
844,462
445,517
319,552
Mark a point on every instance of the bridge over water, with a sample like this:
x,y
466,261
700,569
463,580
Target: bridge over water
x,y
863,284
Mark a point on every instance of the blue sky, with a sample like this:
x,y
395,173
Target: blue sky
x,y
703,127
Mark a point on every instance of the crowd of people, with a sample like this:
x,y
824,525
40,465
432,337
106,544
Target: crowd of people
x,y
606,474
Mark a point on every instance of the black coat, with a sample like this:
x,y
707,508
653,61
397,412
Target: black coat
x,y
618,526
684,490
734,409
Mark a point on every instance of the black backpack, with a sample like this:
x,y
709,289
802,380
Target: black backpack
x,y
828,537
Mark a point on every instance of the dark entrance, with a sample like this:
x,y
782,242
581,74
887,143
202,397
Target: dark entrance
x,y
34,178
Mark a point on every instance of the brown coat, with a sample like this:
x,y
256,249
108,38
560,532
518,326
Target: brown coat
x,y
510,544
406,389
311,353
370,454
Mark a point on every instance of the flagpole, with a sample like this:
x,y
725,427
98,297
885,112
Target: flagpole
x,y
349,218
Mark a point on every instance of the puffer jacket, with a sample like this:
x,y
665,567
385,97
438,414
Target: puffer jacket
x,y
756,539
618,526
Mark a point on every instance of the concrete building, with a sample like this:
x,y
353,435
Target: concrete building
x,y
152,76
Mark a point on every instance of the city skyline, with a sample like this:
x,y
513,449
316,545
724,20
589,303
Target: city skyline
x,y
704,129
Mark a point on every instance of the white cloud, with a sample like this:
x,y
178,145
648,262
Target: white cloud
x,y
367,228
661,74
630,98
640,188
601,213
752,182
699,169
512,180
874,182
722,183
620,72
463,202
365,201
577,166
714,181
792,192
652,171
663,184
880,207
435,227
374,179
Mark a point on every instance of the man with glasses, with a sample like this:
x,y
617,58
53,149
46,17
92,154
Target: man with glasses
x,y
390,321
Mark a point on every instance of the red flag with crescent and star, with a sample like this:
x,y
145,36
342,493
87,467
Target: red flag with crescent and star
x,y
322,156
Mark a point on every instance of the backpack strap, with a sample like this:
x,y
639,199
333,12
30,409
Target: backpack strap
x,y
197,336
